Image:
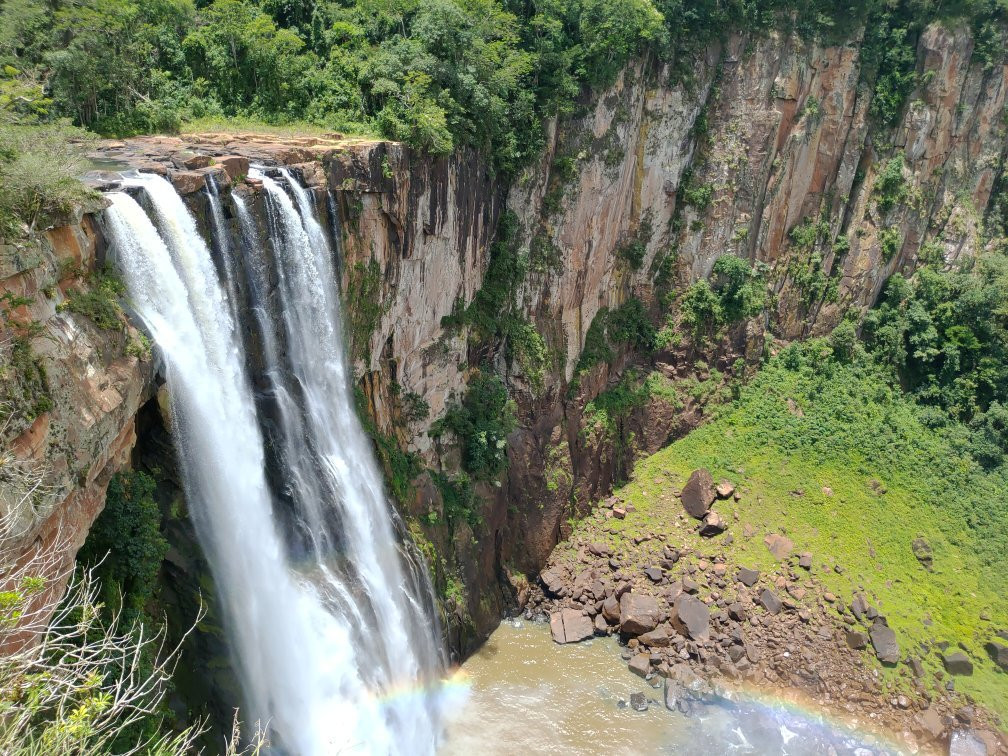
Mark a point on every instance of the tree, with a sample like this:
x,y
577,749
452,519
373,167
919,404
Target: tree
x,y
70,685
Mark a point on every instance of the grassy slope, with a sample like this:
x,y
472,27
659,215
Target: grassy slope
x,y
853,429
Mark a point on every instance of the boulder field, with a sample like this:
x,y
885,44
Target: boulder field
x,y
699,625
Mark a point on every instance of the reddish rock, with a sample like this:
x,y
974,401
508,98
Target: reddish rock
x,y
638,613
747,577
692,617
611,610
770,601
640,664
780,546
657,638
187,182
571,626
235,166
713,525
725,489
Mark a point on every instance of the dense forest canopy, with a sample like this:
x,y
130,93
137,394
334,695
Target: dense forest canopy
x,y
436,74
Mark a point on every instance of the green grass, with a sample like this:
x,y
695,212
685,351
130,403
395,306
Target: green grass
x,y
852,432
245,125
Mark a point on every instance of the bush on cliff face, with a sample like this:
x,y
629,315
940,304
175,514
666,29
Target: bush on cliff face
x,y
480,423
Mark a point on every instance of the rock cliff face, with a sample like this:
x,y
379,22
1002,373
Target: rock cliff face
x,y
770,135
71,389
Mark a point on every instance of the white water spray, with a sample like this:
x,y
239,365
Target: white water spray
x,y
319,648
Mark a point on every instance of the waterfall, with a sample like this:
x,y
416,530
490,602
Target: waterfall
x,y
327,624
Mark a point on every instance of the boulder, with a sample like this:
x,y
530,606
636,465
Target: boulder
x,y
747,577
922,550
601,626
638,614
234,165
780,546
857,639
190,160
998,654
859,607
599,549
932,723
883,640
654,574
805,560
571,626
553,580
713,524
557,628
725,489
966,743
611,610
640,664
692,617
187,182
638,702
736,611
770,601
698,494
657,638
957,663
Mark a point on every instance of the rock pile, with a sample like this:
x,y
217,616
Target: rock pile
x,y
685,613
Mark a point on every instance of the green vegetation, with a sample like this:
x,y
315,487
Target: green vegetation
x,y
363,307
99,300
945,336
627,325
805,267
458,498
39,166
834,451
890,185
480,423
890,242
25,387
125,548
437,75
735,292
400,467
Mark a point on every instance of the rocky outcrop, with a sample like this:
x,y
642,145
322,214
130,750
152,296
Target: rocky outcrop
x,y
71,388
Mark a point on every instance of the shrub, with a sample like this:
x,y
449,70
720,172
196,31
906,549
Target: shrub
x,y
125,546
99,301
701,309
890,186
890,242
39,166
481,423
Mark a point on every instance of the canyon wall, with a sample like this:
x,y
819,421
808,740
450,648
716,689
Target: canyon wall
x,y
765,136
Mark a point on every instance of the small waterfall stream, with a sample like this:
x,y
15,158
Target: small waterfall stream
x,y
330,618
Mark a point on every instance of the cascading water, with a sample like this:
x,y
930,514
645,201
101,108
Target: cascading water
x,y
326,626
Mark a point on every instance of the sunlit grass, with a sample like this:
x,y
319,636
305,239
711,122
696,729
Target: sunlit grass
x,y
246,125
817,475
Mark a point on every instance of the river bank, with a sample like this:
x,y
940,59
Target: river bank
x,y
526,694
705,627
